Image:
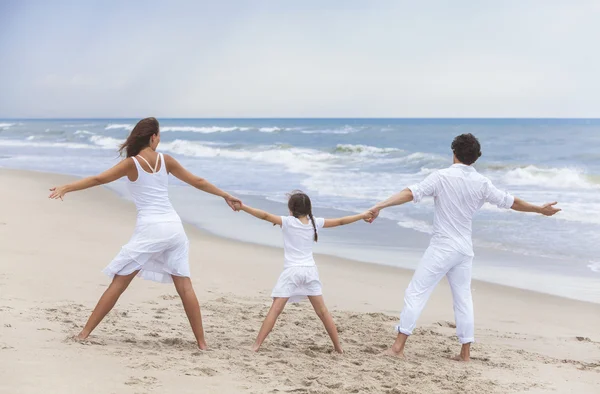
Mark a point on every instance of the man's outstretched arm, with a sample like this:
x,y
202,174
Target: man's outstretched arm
x,y
548,209
428,187
400,198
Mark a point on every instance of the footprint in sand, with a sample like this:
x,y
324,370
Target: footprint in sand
x,y
198,371
446,324
145,381
74,339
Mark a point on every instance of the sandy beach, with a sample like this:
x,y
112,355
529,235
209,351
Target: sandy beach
x,y
51,254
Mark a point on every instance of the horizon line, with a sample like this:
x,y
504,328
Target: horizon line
x,y
306,118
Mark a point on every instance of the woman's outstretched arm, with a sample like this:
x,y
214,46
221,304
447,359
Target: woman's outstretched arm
x,y
110,175
348,219
260,214
184,175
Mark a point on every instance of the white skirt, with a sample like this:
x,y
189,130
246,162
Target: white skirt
x,y
157,250
296,283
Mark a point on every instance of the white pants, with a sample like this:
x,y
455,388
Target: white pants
x,y
438,261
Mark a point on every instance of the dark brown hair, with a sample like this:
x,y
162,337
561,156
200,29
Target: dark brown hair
x,y
139,137
466,148
299,205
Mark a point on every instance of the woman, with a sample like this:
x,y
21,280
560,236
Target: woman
x,y
158,249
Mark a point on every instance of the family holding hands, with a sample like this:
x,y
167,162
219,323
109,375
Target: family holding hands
x,y
158,249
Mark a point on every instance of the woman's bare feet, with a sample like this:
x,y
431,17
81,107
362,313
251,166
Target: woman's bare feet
x,y
255,347
339,350
460,358
202,346
82,336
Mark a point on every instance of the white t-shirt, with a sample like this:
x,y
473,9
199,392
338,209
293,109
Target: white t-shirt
x,y
458,192
298,241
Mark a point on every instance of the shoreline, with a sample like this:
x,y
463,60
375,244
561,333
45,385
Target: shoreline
x,y
52,252
372,256
329,259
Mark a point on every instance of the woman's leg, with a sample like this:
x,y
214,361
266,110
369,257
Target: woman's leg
x,y
319,305
269,323
184,288
106,302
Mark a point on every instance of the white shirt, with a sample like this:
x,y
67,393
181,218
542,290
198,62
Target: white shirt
x,y
298,241
458,192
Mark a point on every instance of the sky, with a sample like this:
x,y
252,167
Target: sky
x,y
253,58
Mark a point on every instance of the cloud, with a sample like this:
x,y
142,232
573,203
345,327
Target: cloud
x,y
288,59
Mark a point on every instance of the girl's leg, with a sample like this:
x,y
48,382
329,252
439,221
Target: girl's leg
x,y
269,323
184,288
319,304
106,302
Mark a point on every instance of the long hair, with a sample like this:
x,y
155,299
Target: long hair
x,y
299,205
139,138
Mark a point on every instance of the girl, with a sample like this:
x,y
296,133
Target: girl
x,y
158,249
299,277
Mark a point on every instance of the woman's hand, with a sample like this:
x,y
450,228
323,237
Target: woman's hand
x,y
233,202
368,216
58,192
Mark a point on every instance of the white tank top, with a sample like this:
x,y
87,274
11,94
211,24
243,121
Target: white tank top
x,y
150,193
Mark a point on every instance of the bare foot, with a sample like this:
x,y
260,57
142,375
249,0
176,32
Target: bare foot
x,y
461,358
392,353
202,346
255,347
81,336
339,350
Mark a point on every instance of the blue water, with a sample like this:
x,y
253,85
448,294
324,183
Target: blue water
x,y
349,164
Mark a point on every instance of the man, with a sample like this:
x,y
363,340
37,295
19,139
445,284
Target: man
x,y
458,192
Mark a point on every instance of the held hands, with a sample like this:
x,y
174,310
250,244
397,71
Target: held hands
x,y
233,202
549,209
367,216
58,192
371,215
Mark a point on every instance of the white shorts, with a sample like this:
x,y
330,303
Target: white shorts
x,y
157,250
296,283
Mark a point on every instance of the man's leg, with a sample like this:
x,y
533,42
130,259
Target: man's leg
x,y
459,278
430,271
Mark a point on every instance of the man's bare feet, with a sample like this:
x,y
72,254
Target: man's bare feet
x,y
465,353
392,353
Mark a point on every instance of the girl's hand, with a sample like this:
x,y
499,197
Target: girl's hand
x,y
233,202
58,192
373,213
368,216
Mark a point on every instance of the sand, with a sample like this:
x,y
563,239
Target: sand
x,y
51,254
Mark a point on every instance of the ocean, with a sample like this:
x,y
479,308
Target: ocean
x,y
347,165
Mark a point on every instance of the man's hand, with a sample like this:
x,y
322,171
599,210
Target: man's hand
x,y
374,213
549,209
